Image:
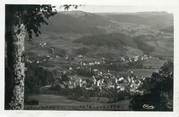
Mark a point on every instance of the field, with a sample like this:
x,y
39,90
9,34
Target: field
x,y
61,102
144,72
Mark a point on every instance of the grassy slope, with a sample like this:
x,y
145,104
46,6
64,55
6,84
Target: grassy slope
x,y
83,27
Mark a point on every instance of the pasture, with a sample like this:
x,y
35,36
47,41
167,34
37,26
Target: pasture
x,y
57,102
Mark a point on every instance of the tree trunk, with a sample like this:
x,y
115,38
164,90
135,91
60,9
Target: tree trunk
x,y
15,73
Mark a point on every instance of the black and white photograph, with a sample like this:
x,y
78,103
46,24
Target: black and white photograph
x,y
78,57
87,57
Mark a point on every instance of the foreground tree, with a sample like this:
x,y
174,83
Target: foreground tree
x,y
22,21
158,91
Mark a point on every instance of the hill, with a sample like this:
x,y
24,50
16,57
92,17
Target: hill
x,y
75,32
75,22
156,20
77,43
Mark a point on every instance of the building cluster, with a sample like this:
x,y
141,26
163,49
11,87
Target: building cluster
x,y
135,58
104,81
98,78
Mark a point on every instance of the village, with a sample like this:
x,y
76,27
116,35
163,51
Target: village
x,y
104,76
96,75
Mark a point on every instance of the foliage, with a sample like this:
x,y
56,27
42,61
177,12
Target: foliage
x,y
158,91
32,17
109,40
36,77
85,72
141,44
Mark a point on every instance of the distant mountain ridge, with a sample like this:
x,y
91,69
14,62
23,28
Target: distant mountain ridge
x,y
76,22
154,19
76,13
109,33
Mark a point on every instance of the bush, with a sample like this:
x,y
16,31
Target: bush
x,y
31,102
158,91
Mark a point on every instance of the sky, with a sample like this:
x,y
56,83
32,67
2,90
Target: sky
x,y
122,9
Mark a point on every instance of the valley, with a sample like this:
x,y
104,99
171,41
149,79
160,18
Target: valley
x,y
84,58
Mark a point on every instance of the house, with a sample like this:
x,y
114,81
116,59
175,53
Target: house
x,y
95,70
84,64
89,88
120,88
136,58
122,59
91,63
94,80
97,62
67,57
42,44
80,56
70,68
